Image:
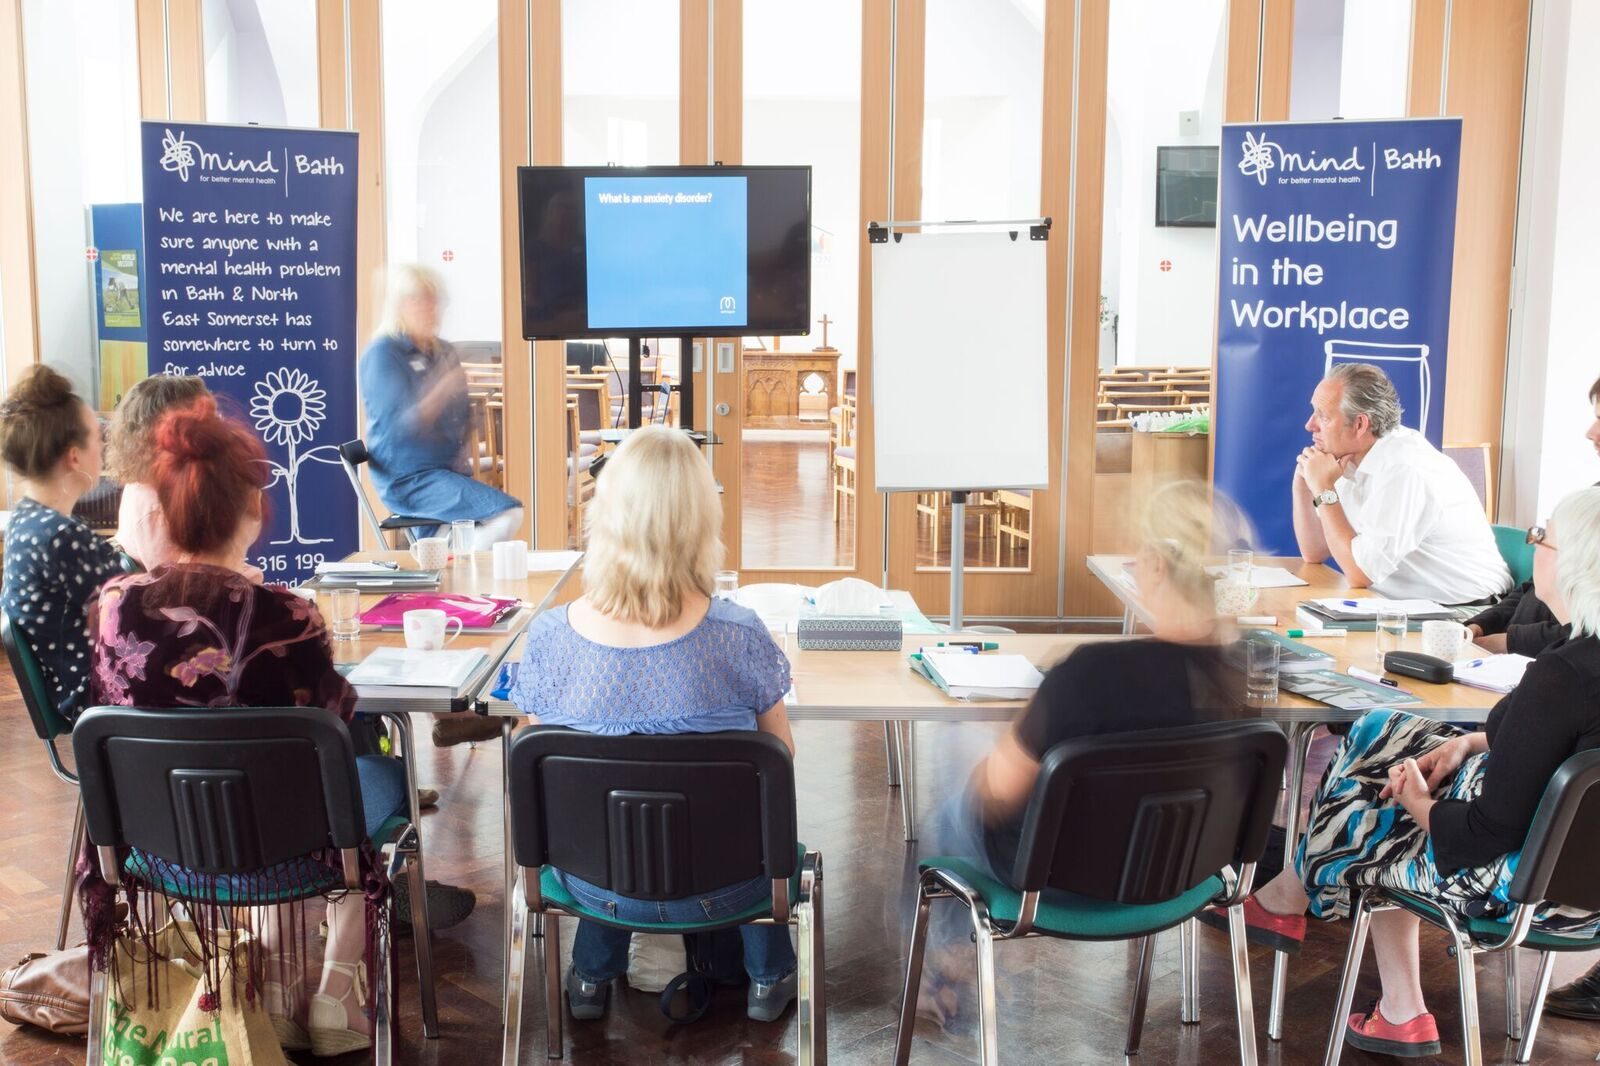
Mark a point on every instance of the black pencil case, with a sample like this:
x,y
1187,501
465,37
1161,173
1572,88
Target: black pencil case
x,y
1420,666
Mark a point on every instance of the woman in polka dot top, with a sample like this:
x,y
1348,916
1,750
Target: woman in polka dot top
x,y
51,440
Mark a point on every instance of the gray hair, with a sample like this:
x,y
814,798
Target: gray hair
x,y
1367,391
1577,526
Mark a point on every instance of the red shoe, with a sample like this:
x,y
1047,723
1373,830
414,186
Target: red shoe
x,y
1280,932
1371,1031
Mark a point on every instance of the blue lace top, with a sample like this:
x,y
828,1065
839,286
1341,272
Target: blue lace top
x,y
719,675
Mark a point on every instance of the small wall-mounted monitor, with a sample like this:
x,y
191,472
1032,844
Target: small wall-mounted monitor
x,y
647,251
1186,185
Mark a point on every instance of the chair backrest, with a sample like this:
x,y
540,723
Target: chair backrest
x,y
1143,817
352,453
1473,459
653,817
592,406
1559,861
219,790
47,722
1515,550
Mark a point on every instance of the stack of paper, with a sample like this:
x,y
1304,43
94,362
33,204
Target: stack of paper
x,y
1265,577
403,673
373,577
1362,613
965,676
1496,673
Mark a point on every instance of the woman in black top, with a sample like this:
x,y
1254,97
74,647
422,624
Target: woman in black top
x,y
51,439
1468,799
1178,678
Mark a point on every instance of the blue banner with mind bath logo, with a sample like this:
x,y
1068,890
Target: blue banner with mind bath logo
x,y
1336,245
250,235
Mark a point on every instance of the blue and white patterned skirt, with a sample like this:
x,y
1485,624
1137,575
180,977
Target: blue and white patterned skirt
x,y
1354,840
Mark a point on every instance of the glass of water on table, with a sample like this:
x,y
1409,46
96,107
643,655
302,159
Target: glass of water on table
x,y
1390,630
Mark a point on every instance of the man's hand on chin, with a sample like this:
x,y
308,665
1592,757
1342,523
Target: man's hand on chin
x,y
1320,469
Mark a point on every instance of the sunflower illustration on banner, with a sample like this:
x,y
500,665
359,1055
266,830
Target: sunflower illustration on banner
x,y
288,408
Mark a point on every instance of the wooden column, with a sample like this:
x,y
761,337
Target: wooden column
x,y
19,312
546,431
171,45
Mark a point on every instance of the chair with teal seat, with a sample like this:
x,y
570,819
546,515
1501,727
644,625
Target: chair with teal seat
x,y
192,802
1515,550
47,726
1124,836
1558,864
656,818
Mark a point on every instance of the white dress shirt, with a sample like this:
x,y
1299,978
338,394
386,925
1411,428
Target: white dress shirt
x,y
1420,528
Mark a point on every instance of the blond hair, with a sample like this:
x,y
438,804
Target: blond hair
x,y
653,530
403,282
1186,523
1577,524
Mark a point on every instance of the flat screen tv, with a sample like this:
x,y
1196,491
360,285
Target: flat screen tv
x,y
646,251
1186,185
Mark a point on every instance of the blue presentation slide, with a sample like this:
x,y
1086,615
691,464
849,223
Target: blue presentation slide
x,y
666,252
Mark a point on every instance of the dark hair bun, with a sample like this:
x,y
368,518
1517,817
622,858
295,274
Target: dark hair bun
x,y
39,422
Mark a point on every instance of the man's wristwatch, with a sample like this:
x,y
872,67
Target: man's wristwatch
x,y
1324,497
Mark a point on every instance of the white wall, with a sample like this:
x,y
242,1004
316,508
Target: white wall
x,y
1316,60
1164,57
261,61
1554,357
442,145
83,140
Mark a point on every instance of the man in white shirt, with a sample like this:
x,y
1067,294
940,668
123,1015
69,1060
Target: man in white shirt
x,y
1398,515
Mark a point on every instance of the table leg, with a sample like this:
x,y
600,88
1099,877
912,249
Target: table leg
x,y
891,753
1300,734
422,934
1127,621
906,738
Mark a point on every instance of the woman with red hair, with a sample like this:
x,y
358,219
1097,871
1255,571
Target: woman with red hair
x,y
198,632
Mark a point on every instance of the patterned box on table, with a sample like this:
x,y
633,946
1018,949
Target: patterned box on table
x,y
848,634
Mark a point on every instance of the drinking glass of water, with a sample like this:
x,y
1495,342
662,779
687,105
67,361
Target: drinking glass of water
x,y
463,531
1391,631
344,610
727,583
1261,671
1241,563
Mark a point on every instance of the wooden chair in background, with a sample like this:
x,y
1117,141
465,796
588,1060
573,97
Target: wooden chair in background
x,y
843,466
580,482
1016,523
1473,459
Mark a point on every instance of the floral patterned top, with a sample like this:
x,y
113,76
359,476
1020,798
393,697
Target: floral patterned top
x,y
191,635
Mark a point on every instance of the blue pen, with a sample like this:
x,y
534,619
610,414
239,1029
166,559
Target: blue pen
x,y
1476,662
1352,603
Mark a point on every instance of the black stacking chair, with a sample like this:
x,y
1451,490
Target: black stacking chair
x,y
47,726
1558,864
352,454
1134,833
657,817
228,791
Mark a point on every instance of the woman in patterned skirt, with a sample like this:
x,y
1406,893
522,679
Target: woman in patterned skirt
x,y
1409,803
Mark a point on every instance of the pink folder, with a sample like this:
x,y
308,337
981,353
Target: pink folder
x,y
475,612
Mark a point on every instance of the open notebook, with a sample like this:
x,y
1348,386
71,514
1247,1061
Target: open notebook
x,y
966,676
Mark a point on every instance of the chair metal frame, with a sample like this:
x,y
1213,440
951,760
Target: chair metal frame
x,y
47,725
1045,808
1541,860
527,899
351,455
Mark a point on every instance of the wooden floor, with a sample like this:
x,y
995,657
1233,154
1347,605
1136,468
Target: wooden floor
x,y
1059,1002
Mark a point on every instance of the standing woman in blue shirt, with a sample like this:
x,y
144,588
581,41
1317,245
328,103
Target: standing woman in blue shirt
x,y
415,395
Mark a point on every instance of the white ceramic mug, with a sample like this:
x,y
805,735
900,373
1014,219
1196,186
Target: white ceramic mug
x,y
510,560
425,629
1444,640
1234,598
431,553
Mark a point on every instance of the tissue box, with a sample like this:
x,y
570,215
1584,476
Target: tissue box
x,y
848,634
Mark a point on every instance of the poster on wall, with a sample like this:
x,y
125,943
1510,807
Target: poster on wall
x,y
250,238
116,241
1337,241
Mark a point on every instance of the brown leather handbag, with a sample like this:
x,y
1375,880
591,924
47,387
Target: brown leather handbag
x,y
49,990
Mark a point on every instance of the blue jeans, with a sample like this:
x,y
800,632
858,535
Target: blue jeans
x,y
600,952
383,788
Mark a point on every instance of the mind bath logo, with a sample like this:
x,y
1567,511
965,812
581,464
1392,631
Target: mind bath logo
x,y
180,154
1258,155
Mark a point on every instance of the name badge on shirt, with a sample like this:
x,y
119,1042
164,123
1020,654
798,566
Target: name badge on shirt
x,y
419,364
